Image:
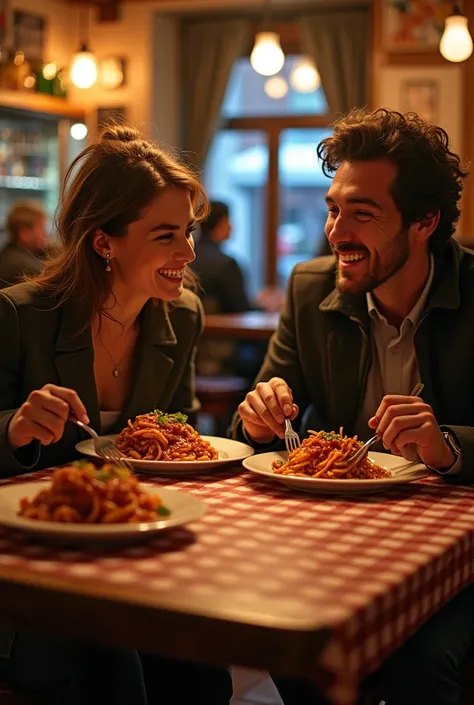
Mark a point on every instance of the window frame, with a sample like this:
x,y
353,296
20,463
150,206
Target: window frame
x,y
272,127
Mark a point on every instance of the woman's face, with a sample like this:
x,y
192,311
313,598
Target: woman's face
x,y
149,261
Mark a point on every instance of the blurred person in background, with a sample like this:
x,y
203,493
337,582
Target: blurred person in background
x,y
222,289
27,242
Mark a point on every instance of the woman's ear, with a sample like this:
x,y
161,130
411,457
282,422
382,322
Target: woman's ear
x,y
101,243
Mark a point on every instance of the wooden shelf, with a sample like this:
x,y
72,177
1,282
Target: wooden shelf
x,y
23,183
41,103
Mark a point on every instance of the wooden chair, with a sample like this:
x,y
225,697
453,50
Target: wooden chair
x,y
219,397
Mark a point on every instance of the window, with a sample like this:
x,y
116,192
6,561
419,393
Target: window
x,y
263,163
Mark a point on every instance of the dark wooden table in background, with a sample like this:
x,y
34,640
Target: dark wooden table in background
x,y
252,325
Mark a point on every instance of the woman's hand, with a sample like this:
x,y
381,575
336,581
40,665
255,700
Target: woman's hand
x,y
263,410
406,424
44,415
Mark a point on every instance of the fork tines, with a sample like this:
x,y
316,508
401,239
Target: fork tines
x,y
112,453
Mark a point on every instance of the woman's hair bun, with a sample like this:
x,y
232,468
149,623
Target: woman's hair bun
x,y
119,133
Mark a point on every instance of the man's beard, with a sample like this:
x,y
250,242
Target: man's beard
x,y
388,263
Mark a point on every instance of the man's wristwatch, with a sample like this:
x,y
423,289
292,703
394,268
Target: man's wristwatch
x,y
452,442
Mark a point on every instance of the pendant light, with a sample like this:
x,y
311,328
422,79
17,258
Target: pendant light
x,y
304,77
267,57
83,70
456,42
276,87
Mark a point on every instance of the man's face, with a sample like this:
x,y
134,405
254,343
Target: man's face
x,y
35,237
223,229
364,226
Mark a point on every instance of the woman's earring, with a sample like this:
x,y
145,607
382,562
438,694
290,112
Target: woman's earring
x,y
108,268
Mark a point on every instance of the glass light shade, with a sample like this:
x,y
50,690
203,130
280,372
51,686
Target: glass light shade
x,y
83,72
267,56
305,78
30,81
276,87
111,74
456,42
78,131
50,70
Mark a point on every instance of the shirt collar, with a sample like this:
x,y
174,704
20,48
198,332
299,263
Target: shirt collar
x,y
415,314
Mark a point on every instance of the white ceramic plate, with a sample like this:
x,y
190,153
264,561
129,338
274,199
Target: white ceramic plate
x,y
183,507
228,452
402,471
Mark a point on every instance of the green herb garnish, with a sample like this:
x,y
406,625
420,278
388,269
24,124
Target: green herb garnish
x,y
103,475
161,417
163,511
331,436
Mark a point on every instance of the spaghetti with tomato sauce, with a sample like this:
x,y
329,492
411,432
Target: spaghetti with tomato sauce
x,y
160,436
326,455
81,493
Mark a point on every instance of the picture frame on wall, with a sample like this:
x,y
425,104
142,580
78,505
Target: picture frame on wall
x,y
413,25
4,10
421,96
29,35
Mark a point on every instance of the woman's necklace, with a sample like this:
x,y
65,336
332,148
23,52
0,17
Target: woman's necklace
x,y
116,372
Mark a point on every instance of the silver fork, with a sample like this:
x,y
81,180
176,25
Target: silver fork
x,y
362,452
104,447
292,440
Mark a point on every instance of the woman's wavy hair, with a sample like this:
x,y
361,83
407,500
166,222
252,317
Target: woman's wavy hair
x,y
107,187
430,177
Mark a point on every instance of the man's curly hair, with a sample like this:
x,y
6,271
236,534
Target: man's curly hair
x,y
430,176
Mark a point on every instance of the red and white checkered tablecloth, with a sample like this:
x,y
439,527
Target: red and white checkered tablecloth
x,y
372,569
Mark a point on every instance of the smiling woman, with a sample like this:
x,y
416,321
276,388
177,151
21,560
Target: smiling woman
x,y
107,327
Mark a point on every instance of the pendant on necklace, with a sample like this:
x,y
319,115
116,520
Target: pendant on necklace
x,y
116,372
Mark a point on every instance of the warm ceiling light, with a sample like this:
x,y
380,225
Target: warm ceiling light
x,y
111,73
83,72
267,57
304,77
456,42
50,70
276,87
78,131
30,81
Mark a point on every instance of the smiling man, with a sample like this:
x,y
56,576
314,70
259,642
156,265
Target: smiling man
x,y
393,306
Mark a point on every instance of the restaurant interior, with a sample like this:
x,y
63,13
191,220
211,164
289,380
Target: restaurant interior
x,y
243,90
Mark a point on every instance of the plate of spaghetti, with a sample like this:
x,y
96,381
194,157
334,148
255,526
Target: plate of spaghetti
x,y
86,502
321,464
165,444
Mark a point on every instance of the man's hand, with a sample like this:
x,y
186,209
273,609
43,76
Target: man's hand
x,y
407,424
264,410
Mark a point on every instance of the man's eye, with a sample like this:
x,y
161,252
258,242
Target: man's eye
x,y
364,214
165,236
332,210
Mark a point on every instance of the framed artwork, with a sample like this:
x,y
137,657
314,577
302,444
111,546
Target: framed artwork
x,y
110,114
29,35
414,25
421,96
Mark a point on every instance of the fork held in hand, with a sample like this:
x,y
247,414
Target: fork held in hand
x,y
362,452
104,447
292,440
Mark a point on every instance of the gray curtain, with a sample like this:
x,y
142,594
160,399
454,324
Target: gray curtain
x,y
209,49
339,42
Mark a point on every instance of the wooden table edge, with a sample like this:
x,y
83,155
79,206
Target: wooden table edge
x,y
112,614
